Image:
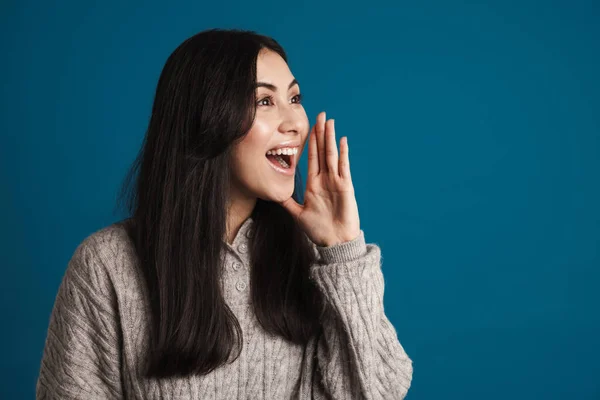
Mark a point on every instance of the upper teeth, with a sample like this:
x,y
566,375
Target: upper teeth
x,y
285,150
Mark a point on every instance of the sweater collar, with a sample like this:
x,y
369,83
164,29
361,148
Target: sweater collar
x,y
240,244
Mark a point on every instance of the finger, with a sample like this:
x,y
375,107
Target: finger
x,y
321,141
313,155
292,207
331,151
344,158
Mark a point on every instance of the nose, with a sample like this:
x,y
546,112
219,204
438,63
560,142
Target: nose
x,y
292,120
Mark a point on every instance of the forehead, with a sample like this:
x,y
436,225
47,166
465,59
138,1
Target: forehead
x,y
272,68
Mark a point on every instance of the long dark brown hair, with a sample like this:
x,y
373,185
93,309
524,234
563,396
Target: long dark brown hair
x,y
176,194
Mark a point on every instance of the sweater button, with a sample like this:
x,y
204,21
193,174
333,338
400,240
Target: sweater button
x,y
243,248
236,266
240,286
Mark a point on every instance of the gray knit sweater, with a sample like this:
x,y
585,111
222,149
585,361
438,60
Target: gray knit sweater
x,y
97,338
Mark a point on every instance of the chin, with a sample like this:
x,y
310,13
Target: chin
x,y
279,195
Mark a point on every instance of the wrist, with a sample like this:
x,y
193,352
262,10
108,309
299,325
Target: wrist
x,y
339,240
344,251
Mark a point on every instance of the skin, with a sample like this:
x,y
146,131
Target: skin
x,y
329,214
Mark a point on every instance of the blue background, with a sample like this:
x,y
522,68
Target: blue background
x,y
474,136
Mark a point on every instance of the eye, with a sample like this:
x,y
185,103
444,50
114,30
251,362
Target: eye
x,y
299,98
270,98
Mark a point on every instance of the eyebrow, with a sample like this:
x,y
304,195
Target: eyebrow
x,y
273,87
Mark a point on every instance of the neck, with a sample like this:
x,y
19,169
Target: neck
x,y
239,210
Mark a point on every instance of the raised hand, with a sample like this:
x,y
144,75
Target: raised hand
x,y
330,214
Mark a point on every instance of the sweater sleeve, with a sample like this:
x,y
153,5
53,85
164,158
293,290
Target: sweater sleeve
x,y
358,355
81,357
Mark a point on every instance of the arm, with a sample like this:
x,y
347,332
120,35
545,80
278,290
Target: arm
x,y
81,358
358,355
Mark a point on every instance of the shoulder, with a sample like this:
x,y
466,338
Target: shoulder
x,y
101,260
108,239
108,242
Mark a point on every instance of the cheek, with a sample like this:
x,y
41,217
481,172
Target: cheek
x,y
253,144
248,162
246,159
304,145
260,133
305,129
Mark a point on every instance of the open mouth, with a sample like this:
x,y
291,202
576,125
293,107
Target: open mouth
x,y
284,160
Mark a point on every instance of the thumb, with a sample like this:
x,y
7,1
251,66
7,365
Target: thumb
x,y
292,207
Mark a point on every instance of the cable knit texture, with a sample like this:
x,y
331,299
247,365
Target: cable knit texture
x,y
98,333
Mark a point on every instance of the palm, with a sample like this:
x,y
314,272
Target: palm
x,y
330,213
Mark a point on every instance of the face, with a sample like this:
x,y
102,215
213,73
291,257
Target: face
x,y
280,122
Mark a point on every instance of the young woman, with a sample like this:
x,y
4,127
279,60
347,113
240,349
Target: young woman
x,y
221,285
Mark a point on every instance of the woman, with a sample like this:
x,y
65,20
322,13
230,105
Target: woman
x,y
221,285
